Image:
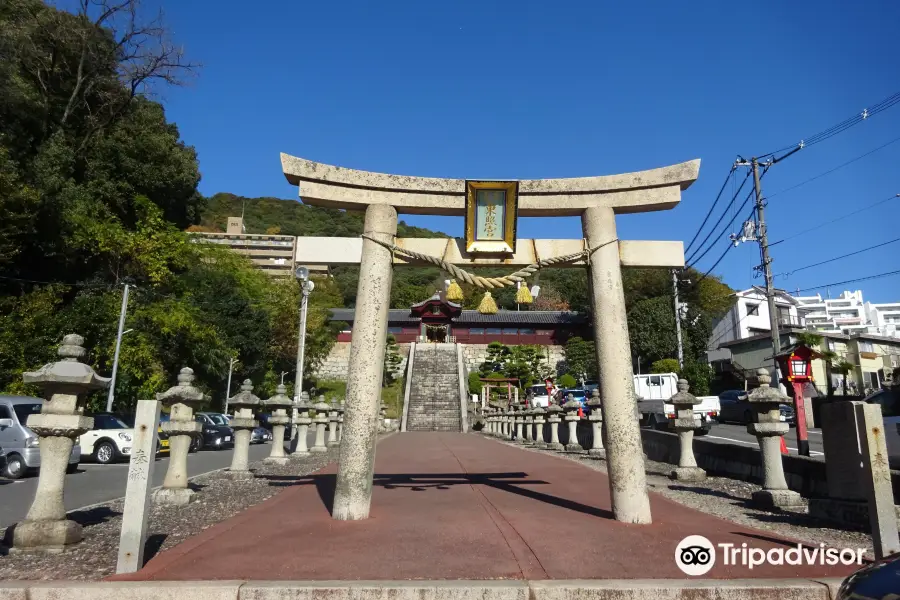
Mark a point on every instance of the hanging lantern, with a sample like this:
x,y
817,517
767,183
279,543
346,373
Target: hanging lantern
x,y
523,296
454,292
487,306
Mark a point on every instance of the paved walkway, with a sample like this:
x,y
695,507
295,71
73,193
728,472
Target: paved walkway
x,y
457,506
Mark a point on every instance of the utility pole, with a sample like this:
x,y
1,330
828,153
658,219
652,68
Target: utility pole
x,y
678,320
228,388
112,381
766,264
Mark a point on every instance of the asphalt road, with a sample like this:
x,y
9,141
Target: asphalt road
x,y
99,483
737,434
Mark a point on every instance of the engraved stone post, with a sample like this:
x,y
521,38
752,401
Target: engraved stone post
x,y
60,422
686,422
278,406
571,407
554,411
136,512
596,418
321,410
301,447
768,431
353,491
520,422
332,424
245,403
539,427
877,479
181,427
624,452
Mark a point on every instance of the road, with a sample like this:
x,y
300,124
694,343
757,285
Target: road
x,y
737,434
99,483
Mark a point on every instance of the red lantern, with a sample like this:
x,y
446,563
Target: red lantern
x,y
796,364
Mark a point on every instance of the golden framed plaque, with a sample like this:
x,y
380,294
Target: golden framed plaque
x,y
491,208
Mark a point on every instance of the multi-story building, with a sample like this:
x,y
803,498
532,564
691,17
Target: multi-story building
x,y
749,317
272,254
844,314
885,318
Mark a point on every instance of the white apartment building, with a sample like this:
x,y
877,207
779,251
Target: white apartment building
x,y
749,317
848,314
885,318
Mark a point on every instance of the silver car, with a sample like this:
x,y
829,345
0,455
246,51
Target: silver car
x,y
19,444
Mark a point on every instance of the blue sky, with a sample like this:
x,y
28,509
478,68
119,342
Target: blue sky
x,y
521,90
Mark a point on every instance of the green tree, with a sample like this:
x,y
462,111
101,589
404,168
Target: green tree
x,y
665,365
475,384
567,381
699,375
581,358
497,355
392,360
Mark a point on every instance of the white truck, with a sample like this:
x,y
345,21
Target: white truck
x,y
653,392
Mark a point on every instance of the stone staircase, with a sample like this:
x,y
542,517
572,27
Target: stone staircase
x,y
434,389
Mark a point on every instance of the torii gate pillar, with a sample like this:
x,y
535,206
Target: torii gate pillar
x,y
595,199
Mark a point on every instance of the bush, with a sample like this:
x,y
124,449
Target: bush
x,y
567,381
698,375
665,365
475,384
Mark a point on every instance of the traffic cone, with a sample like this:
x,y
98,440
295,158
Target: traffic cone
x,y
784,449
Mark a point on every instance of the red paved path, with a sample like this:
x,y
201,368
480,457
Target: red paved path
x,y
457,506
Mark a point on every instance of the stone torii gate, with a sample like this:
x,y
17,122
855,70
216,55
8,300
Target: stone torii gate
x,y
595,199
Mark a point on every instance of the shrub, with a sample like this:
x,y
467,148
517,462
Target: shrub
x,y
665,365
567,381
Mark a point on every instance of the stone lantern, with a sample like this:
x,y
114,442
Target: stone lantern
x,y
768,430
60,422
321,419
506,420
332,424
686,422
539,427
572,407
278,406
529,424
245,404
553,417
302,408
596,418
519,419
181,428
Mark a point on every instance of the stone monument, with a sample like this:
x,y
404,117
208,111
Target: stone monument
x,y
321,411
686,422
181,428
278,406
332,424
539,427
64,384
554,411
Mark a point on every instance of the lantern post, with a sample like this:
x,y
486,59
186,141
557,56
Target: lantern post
x,y
796,365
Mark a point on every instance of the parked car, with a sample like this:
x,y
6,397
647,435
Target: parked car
x,y
540,396
877,580
162,438
20,444
735,408
109,441
216,433
2,461
658,414
577,393
889,400
260,435
164,445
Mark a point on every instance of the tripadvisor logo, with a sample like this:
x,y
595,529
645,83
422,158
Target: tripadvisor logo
x,y
695,555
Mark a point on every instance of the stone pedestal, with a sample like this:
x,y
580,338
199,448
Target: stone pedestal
x,y
332,426
278,406
340,423
597,449
529,426
65,384
245,404
572,406
181,428
768,431
520,423
539,427
321,421
685,423
553,412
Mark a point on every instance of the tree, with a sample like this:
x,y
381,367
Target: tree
x,y
497,355
566,381
842,368
581,358
549,299
475,384
665,365
698,375
392,360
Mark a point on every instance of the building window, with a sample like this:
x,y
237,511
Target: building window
x,y
435,310
866,347
832,346
493,331
510,331
395,330
752,310
895,360
526,331
476,331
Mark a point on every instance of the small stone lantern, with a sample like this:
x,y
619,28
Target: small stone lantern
x,y
553,412
685,423
332,424
181,428
245,404
529,425
519,419
302,407
321,410
768,431
596,418
572,406
539,427
278,406
60,422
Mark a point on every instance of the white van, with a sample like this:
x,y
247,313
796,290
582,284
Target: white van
x,y
540,397
19,444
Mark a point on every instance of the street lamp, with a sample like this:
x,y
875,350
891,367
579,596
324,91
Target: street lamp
x,y
112,380
796,366
228,388
306,286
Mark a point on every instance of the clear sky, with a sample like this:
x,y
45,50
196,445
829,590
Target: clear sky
x,y
526,89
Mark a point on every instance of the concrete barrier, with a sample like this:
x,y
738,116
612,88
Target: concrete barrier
x,y
670,589
805,475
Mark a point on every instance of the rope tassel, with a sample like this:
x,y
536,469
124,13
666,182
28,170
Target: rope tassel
x,y
454,292
487,306
523,295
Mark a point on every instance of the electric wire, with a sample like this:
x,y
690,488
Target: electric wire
x,y
830,260
836,219
691,259
837,283
728,178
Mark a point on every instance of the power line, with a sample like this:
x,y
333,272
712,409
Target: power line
x,y
836,219
711,208
843,125
691,258
825,262
727,250
867,278
693,261
832,170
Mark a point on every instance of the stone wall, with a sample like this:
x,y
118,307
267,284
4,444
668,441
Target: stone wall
x,y
475,354
337,363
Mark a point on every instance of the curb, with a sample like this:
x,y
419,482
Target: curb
x,y
661,589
